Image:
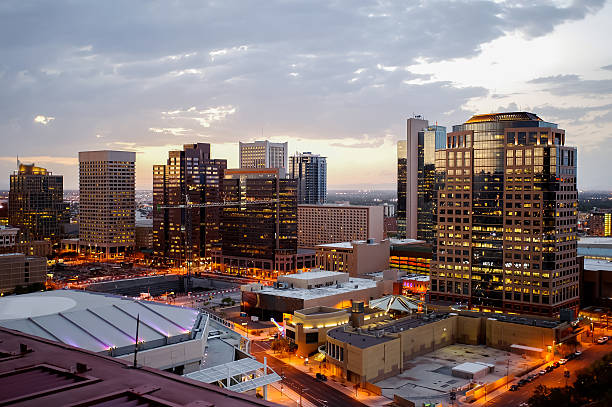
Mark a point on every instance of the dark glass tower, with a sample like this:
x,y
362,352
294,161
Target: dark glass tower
x,y
187,234
506,208
310,171
262,230
36,203
428,141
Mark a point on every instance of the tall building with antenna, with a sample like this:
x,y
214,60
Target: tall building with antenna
x,y
36,203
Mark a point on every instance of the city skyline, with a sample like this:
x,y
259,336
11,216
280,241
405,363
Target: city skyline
x,y
203,75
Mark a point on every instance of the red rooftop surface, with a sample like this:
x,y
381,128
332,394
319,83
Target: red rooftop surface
x,y
40,372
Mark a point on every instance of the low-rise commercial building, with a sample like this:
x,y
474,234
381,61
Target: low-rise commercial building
x,y
373,352
331,223
144,234
410,255
356,258
308,327
19,270
306,290
8,236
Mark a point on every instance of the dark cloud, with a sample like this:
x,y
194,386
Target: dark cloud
x,y
317,69
565,85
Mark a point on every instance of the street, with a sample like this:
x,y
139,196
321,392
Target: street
x,y
317,392
552,379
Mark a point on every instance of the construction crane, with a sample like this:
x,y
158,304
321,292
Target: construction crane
x,y
191,205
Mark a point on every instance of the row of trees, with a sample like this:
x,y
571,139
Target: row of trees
x,y
593,388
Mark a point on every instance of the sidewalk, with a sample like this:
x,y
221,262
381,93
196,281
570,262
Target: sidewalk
x,y
363,395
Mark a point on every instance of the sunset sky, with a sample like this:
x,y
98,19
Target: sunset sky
x,y
338,78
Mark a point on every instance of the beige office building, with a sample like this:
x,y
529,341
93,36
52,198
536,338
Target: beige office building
x,y
356,258
17,269
264,154
107,202
322,224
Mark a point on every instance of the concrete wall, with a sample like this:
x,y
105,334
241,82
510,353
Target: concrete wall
x,y
502,334
369,258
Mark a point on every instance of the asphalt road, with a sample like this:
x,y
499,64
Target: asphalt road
x,y
552,379
318,393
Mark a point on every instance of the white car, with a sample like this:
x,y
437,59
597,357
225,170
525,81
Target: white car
x,y
562,361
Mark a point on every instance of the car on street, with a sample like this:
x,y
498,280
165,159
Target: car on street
x,y
542,372
577,353
514,387
556,365
562,361
602,340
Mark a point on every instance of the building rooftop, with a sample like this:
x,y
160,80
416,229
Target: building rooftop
x,y
36,371
337,206
315,273
380,333
349,245
353,284
592,240
98,322
501,117
597,264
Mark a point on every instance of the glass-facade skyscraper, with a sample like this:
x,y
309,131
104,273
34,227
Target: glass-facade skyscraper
x,y
415,178
36,203
506,216
183,234
310,170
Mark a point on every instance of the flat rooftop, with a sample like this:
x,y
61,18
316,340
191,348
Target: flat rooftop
x,y
315,273
47,375
353,284
597,264
593,240
348,245
368,338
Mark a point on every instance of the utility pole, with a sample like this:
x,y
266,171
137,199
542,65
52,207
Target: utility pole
x,y
136,344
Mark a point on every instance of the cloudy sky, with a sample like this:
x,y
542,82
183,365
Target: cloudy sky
x,y
335,77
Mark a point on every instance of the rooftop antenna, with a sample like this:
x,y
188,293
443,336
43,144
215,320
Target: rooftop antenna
x,y
136,344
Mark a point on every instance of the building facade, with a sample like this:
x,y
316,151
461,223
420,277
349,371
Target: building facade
x,y
8,236
187,234
36,203
106,202
263,154
356,258
322,224
416,177
311,172
600,224
19,270
410,256
506,216
259,222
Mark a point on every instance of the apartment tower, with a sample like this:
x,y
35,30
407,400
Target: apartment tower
x,y
506,208
106,202
310,170
36,203
187,234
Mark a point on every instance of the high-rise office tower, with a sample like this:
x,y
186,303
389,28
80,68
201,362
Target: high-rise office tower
x,y
263,154
186,234
36,203
260,231
415,176
310,170
106,202
506,216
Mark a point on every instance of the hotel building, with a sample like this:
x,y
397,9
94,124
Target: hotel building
x,y
506,216
322,224
106,202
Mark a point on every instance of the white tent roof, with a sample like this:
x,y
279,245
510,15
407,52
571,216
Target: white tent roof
x,y
394,302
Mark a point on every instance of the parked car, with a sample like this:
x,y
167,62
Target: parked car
x,y
321,377
532,377
577,353
602,340
542,372
514,387
556,365
562,361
